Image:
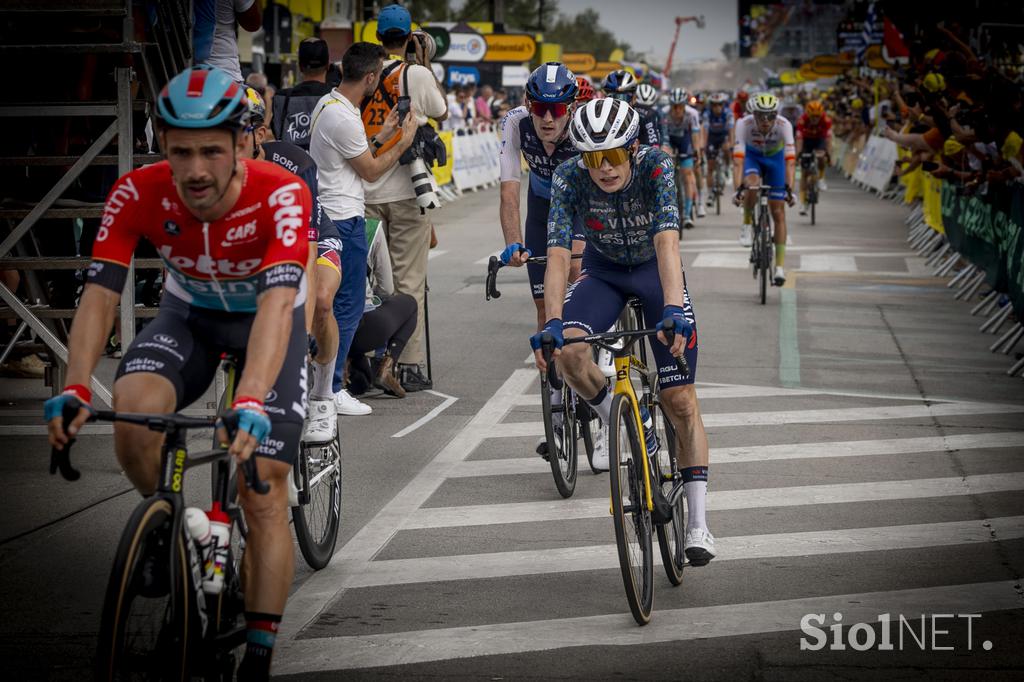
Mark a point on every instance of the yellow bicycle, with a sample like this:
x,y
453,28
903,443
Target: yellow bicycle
x,y
646,488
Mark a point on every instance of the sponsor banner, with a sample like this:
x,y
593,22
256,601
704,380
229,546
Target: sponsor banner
x,y
931,199
514,76
579,62
876,163
476,159
602,69
550,52
466,47
463,75
510,47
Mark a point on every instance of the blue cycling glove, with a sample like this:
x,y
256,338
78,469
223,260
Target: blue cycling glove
x,y
252,418
679,321
554,328
54,407
511,250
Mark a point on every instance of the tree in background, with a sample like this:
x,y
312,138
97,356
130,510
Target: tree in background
x,y
584,33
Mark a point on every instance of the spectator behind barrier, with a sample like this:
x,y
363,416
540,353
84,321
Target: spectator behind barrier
x,y
292,107
216,42
392,198
339,146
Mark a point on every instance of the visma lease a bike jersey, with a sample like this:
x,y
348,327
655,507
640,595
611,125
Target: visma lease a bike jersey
x,y
619,227
222,265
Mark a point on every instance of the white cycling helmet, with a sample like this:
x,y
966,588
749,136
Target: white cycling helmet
x,y
646,95
678,96
604,124
764,103
718,98
620,81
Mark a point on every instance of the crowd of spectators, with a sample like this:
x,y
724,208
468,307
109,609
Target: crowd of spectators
x,y
472,107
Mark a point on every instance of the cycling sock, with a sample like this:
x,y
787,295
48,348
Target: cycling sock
x,y
695,485
261,632
323,375
602,404
780,255
748,216
687,205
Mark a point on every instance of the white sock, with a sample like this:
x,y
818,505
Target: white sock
x,y
323,375
696,496
604,408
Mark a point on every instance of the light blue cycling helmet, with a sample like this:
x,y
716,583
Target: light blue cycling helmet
x,y
552,82
203,97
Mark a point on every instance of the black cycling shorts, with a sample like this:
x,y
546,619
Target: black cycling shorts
x,y
536,238
595,300
184,345
811,144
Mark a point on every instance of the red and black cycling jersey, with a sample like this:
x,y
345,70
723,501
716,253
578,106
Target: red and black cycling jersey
x,y
222,265
814,130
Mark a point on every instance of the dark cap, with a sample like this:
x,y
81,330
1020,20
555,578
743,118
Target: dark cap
x,y
313,54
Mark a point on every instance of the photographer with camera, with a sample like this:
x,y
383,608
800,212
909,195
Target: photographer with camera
x,y
400,197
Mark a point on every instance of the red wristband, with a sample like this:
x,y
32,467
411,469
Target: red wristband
x,y
247,402
79,391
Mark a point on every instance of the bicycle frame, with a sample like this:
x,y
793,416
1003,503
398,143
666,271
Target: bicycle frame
x,y
625,362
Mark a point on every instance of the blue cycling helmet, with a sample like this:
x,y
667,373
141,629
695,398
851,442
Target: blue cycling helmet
x,y
620,81
203,97
552,82
394,19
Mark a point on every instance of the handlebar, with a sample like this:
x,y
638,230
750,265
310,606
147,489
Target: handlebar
x,y
764,189
494,264
60,460
606,339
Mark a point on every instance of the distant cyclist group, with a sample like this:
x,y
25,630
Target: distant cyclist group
x,y
616,174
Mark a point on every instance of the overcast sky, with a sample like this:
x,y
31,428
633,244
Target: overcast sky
x,y
648,25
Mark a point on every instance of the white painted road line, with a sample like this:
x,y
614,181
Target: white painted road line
x,y
675,625
846,414
435,253
724,500
827,263
322,587
448,401
730,260
774,545
766,453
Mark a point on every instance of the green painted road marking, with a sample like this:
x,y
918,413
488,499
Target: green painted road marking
x,y
789,348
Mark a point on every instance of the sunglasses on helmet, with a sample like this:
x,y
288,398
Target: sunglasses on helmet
x,y
615,157
556,109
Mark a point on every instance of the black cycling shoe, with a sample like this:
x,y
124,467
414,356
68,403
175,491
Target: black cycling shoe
x,y
412,379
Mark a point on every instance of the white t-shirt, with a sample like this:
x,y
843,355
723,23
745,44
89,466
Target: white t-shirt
x,y
427,100
338,135
224,50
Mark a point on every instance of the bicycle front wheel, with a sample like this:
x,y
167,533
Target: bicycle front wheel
x,y
631,517
560,434
764,234
147,611
318,514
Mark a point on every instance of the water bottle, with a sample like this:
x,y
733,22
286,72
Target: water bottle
x,y
220,530
649,433
198,524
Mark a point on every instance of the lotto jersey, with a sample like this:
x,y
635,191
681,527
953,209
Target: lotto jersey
x,y
778,140
222,265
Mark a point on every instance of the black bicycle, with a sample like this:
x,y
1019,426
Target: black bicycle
x,y
158,623
809,179
762,250
566,421
316,514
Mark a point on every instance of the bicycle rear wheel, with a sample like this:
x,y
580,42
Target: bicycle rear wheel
x,y
560,434
631,517
670,535
584,422
318,514
145,626
765,259
812,199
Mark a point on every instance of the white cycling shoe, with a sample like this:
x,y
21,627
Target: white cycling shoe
x,y
600,459
746,235
822,185
346,404
701,212
780,276
803,209
321,423
699,546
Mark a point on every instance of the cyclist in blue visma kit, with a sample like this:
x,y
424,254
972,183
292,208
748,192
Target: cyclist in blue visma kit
x,y
625,195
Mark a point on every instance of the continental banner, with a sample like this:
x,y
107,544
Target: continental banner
x,y
988,230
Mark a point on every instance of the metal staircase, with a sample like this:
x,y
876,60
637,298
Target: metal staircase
x,y
80,76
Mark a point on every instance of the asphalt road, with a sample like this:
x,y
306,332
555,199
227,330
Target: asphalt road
x,y
866,459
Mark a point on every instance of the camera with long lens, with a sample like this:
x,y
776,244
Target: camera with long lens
x,y
426,148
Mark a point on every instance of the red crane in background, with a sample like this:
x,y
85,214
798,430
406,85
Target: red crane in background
x,y
679,24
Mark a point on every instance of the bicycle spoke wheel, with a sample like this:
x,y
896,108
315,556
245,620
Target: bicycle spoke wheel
x,y
765,265
585,424
318,513
814,202
631,517
144,629
560,434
